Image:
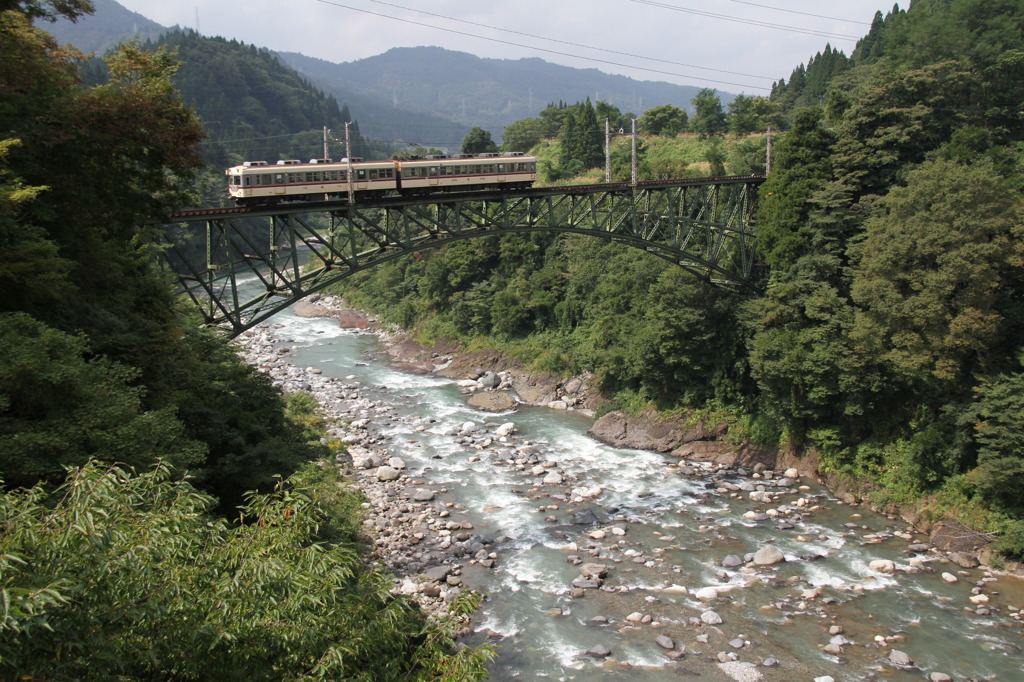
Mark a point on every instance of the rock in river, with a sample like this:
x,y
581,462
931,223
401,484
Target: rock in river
x,y
768,555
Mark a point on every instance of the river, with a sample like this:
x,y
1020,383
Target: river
x,y
663,530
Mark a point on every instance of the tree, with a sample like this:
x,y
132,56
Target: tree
x,y
802,167
58,408
522,135
999,432
663,120
581,140
478,141
709,118
933,275
49,10
591,136
616,119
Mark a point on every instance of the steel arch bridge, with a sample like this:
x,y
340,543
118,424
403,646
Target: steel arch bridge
x,y
281,254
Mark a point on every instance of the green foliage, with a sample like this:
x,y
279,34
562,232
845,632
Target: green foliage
x,y
932,274
57,408
801,165
254,107
709,117
753,114
127,576
581,140
50,10
809,84
663,120
478,141
418,153
303,410
522,135
999,432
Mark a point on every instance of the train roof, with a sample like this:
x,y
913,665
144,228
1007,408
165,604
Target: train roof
x,y
318,164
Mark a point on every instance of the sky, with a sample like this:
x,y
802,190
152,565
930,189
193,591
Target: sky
x,y
730,45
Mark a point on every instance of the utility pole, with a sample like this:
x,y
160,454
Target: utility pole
x,y
348,158
768,154
326,153
634,152
607,152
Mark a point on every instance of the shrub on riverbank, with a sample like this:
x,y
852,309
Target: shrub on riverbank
x,y
129,575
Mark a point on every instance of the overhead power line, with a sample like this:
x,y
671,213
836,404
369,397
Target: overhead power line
x,y
751,22
542,49
566,42
796,11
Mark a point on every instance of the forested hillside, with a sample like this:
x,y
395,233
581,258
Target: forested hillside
x,y
107,27
888,335
472,91
129,436
254,107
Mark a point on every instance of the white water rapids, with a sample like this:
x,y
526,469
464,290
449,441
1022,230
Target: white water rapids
x,y
666,534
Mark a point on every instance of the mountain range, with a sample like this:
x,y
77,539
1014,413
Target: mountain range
x,y
428,96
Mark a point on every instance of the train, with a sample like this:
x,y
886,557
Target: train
x,y
256,183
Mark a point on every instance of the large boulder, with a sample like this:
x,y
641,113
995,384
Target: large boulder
x,y
386,473
591,570
489,380
769,555
493,401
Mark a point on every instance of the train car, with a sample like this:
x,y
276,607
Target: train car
x,y
256,182
467,172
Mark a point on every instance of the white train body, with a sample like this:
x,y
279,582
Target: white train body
x,y
256,182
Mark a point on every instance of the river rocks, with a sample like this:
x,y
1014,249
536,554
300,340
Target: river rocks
x,y
493,401
584,518
416,530
706,594
599,651
438,573
506,429
900,659
740,671
964,559
711,618
648,431
387,473
882,565
732,561
769,555
593,570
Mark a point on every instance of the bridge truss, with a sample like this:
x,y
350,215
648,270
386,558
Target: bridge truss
x,y
240,266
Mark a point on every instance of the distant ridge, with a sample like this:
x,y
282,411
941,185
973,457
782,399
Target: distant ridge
x,y
419,96
474,91
111,25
